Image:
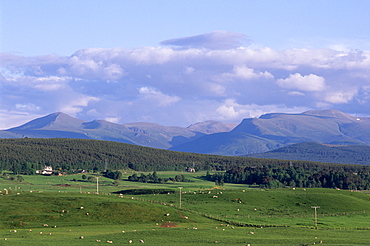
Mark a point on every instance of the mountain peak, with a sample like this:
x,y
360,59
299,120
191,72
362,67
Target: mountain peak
x,y
56,120
331,113
211,126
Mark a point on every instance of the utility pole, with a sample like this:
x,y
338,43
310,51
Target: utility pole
x,y
97,185
315,207
180,195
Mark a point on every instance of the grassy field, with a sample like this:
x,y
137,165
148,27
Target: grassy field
x,y
58,210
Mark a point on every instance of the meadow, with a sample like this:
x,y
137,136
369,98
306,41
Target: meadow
x,y
65,210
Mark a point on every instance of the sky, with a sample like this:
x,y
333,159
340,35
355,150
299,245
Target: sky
x,y
180,62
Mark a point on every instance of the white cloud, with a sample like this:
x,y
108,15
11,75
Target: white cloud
x,y
113,119
296,93
159,99
219,81
230,110
8,118
309,82
188,70
244,73
337,97
27,107
75,106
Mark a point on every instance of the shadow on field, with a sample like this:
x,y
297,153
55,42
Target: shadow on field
x,y
144,191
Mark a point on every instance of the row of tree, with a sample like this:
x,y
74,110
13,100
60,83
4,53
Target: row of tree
x,y
154,178
25,156
275,176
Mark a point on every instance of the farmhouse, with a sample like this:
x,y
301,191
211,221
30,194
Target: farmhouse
x,y
190,169
47,170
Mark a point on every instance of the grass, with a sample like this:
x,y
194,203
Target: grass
x,y
285,215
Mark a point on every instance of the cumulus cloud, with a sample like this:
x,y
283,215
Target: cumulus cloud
x,y
244,73
309,82
156,97
337,97
210,78
215,41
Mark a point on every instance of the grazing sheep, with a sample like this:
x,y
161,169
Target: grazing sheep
x,y
46,225
82,237
215,197
167,215
251,232
97,240
129,241
141,241
109,241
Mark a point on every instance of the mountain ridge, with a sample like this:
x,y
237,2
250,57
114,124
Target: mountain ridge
x,y
276,130
252,135
61,125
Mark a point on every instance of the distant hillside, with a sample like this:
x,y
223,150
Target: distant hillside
x,y
273,131
60,125
68,154
345,154
251,136
25,156
21,155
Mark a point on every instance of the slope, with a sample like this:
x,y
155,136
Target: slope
x,y
272,131
345,154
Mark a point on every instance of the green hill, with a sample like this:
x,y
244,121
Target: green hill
x,y
345,154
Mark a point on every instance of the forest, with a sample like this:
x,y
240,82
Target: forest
x,y
25,156
314,175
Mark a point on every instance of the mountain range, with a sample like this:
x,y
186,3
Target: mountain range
x,y
253,135
60,125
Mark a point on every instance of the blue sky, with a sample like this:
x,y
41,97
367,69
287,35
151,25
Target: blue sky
x,y
180,62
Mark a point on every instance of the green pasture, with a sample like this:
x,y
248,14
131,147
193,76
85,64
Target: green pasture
x,y
58,210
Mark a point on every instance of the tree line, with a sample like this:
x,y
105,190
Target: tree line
x,y
276,176
154,178
25,156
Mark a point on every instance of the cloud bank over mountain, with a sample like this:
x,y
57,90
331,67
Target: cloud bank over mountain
x,y
213,76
